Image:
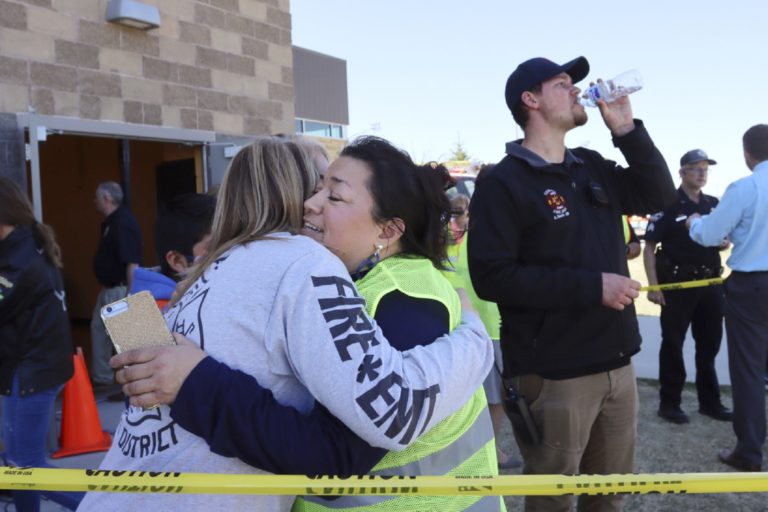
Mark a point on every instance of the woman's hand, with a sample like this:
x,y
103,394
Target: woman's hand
x,y
154,375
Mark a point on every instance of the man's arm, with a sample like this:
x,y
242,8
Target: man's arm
x,y
497,275
633,250
646,184
633,245
711,230
649,261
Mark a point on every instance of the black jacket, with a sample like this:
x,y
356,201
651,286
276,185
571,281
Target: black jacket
x,y
542,235
119,246
677,245
35,340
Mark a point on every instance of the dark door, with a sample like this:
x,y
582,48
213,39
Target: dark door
x,y
173,179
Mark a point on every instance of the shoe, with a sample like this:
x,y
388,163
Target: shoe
x,y
116,397
510,463
736,462
718,412
673,414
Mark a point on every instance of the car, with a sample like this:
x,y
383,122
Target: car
x,y
465,184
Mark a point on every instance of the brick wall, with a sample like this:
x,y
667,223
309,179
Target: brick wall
x,y
220,65
332,146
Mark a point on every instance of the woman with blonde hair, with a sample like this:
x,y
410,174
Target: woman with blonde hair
x,y
279,307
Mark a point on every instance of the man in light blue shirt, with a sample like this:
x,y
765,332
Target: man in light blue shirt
x,y
741,216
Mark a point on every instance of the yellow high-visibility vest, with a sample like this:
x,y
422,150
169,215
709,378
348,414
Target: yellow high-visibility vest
x,y
460,445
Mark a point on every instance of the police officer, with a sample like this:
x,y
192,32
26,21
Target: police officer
x,y
681,259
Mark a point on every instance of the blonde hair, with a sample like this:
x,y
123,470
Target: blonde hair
x,y
314,149
262,192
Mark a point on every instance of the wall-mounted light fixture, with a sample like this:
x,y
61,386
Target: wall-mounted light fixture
x,y
133,14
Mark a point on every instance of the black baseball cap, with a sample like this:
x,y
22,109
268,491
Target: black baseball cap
x,y
532,72
695,155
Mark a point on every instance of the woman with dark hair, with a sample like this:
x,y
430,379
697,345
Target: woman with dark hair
x,y
386,219
35,340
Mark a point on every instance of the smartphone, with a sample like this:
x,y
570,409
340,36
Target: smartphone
x,y
135,322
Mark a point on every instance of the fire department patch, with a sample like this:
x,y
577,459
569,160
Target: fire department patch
x,y
557,202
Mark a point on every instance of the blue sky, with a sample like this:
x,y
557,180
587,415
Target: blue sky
x,y
426,74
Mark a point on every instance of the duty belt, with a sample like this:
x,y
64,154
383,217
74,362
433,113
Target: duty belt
x,y
693,272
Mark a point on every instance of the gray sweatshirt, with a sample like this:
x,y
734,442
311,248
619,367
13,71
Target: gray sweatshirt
x,y
286,311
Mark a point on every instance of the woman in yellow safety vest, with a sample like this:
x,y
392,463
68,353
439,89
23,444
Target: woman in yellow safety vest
x,y
376,190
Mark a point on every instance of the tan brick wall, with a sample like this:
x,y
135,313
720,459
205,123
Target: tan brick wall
x,y
221,65
332,146
13,98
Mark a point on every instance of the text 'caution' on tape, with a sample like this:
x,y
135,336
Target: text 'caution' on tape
x,y
506,485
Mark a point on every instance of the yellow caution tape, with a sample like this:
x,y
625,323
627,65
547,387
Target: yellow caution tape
x,y
506,485
685,284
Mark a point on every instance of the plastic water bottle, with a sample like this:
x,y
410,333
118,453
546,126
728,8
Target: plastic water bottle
x,y
610,90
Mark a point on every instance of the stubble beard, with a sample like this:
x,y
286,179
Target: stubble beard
x,y
579,117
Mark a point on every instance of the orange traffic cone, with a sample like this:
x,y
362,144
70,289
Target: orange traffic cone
x,y
80,426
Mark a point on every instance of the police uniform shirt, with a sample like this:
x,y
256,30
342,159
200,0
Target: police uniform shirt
x,y
672,234
120,245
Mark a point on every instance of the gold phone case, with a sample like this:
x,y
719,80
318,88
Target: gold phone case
x,y
135,322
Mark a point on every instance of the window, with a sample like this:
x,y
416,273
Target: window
x,y
318,129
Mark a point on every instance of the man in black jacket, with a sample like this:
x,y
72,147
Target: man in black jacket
x,y
117,256
547,246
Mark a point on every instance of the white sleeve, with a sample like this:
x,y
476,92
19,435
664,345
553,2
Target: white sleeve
x,y
337,351
710,229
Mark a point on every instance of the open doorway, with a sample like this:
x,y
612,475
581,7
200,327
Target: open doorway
x,y
71,167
